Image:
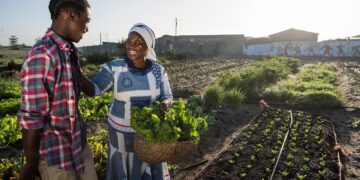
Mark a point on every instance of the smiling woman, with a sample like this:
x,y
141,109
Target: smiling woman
x,y
137,81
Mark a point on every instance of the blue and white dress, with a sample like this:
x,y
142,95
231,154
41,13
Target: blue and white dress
x,y
132,87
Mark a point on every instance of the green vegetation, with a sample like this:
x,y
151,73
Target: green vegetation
x,y
234,87
10,131
95,109
314,86
178,123
213,96
9,88
7,56
99,146
233,98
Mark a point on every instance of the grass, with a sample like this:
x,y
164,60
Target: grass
x,y
7,56
314,86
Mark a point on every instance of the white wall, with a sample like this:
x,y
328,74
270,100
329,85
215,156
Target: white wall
x,y
336,48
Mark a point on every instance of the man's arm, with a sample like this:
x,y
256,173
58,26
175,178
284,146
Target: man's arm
x,y
31,144
87,87
34,107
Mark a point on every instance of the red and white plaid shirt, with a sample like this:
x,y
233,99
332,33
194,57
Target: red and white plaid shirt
x,y
48,102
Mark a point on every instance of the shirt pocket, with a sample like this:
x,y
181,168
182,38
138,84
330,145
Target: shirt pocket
x,y
60,122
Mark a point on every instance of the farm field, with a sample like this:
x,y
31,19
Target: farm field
x,y
243,141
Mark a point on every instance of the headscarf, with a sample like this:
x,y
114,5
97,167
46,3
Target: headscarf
x,y
149,36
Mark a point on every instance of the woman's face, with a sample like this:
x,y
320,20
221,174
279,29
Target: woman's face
x,y
136,47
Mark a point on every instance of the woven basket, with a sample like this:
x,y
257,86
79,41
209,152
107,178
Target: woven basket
x,y
163,152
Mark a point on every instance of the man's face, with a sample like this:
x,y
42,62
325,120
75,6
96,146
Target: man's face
x,y
78,25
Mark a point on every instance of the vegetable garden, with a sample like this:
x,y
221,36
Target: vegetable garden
x,y
275,142
279,144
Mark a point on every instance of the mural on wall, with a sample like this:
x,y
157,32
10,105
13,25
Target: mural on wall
x,y
336,48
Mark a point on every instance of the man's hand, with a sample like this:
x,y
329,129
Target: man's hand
x,y
31,142
165,105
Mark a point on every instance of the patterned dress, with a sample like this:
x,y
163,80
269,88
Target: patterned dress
x,y
132,87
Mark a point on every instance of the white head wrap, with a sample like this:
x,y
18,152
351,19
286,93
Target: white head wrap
x,y
149,36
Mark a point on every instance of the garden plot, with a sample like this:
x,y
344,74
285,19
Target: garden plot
x,y
307,152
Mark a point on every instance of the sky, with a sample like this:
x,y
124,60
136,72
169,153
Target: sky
x,y
112,19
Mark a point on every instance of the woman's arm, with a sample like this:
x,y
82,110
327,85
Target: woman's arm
x,y
165,92
100,83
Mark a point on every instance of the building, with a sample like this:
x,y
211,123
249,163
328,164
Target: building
x,y
202,45
294,35
110,48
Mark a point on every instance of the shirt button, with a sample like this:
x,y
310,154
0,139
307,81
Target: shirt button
x,y
71,116
72,97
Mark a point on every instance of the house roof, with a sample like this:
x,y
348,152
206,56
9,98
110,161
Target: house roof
x,y
292,30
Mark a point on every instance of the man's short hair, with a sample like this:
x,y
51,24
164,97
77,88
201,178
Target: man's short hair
x,y
56,6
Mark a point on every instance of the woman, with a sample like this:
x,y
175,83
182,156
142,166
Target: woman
x,y
137,81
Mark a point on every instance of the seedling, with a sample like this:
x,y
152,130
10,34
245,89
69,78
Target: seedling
x,y
289,164
236,154
322,163
322,172
253,158
290,156
267,170
300,177
225,172
249,166
306,159
243,174
231,161
284,173
305,168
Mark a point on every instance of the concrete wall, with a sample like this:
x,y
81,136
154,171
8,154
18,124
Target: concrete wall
x,y
203,45
110,48
335,48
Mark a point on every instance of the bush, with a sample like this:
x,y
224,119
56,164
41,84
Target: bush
x,y
9,88
9,106
319,98
10,131
233,98
293,63
213,96
90,70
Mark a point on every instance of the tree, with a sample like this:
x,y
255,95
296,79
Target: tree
x,y
13,41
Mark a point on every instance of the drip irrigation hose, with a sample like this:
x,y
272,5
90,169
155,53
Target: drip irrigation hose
x,y
282,147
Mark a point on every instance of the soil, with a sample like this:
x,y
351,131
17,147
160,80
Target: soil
x,y
231,123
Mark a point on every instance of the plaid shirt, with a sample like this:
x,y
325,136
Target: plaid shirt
x,y
48,102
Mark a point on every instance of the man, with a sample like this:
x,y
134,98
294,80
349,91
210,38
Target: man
x,y
54,135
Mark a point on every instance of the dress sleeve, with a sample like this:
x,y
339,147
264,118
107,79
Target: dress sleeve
x,y
103,80
36,74
165,90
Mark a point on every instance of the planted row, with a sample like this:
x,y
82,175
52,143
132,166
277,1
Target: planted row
x,y
307,152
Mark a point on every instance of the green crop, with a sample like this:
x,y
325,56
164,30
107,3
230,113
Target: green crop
x,y
178,123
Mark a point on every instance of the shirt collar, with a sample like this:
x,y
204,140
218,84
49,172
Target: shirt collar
x,y
60,41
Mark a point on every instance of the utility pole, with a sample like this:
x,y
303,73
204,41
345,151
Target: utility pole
x,y
175,27
100,39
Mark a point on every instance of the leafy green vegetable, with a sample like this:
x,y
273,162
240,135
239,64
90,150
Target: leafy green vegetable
x,y
178,123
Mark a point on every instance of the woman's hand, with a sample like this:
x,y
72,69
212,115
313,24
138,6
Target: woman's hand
x,y
165,105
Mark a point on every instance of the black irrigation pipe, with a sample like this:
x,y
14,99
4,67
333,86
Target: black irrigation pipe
x,y
282,146
300,106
